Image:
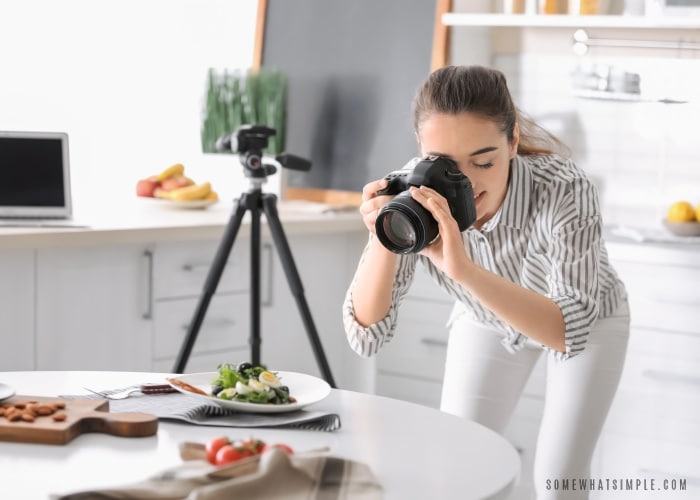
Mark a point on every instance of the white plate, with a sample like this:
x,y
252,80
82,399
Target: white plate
x,y
6,392
180,204
307,390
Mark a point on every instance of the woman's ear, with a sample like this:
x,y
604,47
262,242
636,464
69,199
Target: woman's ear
x,y
516,140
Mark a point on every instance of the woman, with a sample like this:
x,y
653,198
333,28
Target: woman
x,y
531,275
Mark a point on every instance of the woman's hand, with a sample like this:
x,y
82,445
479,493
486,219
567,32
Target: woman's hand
x,y
372,203
447,252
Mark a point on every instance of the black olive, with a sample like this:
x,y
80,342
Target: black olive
x,y
284,388
243,367
216,389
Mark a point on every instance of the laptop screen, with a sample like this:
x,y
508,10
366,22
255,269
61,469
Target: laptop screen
x,y
34,175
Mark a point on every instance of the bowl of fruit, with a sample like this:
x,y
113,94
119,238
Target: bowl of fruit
x,y
172,188
683,219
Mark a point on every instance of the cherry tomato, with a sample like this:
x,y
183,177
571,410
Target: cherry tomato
x,y
227,454
285,448
253,445
213,447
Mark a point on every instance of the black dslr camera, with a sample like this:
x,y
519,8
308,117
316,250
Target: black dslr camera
x,y
403,225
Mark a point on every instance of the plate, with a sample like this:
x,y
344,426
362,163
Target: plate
x,y
6,392
683,228
180,204
307,390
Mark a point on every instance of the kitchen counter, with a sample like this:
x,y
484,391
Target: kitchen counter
x,y
145,220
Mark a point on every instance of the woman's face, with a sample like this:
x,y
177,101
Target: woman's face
x,y
481,151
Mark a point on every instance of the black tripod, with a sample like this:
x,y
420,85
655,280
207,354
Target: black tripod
x,y
255,200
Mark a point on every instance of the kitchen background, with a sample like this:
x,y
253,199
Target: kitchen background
x,y
126,80
643,153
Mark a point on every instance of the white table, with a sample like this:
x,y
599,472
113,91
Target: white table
x,y
415,451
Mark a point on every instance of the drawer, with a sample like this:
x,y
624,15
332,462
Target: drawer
x,y
419,344
667,343
665,297
424,287
664,419
180,270
663,379
624,458
225,325
416,390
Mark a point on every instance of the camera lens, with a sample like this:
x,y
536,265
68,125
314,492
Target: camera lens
x,y
404,226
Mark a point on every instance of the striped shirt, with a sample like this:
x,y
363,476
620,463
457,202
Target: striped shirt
x,y
547,237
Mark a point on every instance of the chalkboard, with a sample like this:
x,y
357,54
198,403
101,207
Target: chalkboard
x,y
353,67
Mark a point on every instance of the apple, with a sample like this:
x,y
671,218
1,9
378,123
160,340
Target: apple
x,y
175,182
146,187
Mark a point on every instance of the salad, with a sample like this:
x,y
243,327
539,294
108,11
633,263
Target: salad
x,y
250,384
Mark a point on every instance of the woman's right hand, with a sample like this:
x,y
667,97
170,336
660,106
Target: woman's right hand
x,y
372,203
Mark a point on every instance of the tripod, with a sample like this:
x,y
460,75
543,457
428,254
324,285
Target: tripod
x,y
254,200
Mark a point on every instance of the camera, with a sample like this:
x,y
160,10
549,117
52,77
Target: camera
x,y
403,225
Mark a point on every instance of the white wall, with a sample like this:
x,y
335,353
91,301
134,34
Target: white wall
x,y
643,155
126,80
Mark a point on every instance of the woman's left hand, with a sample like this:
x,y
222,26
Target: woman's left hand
x,y
447,252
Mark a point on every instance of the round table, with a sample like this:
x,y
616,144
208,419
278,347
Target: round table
x,y
415,451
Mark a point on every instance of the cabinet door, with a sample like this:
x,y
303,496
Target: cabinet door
x,y
92,308
17,310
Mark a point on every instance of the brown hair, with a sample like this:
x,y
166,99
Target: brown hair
x,y
483,91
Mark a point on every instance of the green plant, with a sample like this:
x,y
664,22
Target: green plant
x,y
238,98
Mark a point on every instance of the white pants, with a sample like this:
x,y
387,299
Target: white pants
x,y
483,382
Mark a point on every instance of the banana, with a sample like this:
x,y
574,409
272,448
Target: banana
x,y
189,193
176,169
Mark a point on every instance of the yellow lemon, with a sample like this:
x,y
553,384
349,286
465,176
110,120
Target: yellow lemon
x,y
697,213
681,211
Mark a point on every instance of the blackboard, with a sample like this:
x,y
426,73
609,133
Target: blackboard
x,y
353,68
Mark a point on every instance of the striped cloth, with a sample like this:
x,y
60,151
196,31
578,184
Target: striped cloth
x,y
183,408
275,476
547,237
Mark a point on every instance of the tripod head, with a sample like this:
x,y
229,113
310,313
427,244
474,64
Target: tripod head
x,y
249,141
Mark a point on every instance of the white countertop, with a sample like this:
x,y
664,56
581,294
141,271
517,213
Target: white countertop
x,y
148,221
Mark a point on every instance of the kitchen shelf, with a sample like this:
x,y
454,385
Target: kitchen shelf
x,y
458,19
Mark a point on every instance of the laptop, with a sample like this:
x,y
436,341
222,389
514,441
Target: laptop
x,y
35,185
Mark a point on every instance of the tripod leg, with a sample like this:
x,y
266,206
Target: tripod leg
x,y
211,283
295,285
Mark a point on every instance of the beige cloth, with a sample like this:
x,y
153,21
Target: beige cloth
x,y
275,476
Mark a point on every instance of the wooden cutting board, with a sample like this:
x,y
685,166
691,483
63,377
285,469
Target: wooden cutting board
x,y
81,416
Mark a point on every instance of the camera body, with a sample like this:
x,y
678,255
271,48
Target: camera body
x,y
403,225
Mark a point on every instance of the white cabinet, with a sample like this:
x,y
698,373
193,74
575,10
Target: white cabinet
x,y
326,264
17,280
179,273
652,430
90,307
411,366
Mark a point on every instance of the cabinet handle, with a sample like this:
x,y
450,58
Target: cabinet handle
x,y
661,299
196,267
433,342
216,322
670,377
148,310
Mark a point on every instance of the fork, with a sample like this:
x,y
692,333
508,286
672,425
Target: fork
x,y
118,394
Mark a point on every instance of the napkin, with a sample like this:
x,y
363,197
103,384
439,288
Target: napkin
x,y
271,476
184,408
